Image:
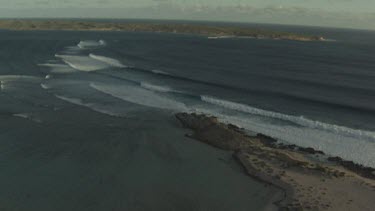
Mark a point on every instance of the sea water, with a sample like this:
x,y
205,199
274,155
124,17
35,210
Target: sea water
x,y
87,117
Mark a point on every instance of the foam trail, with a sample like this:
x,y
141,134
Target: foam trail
x,y
5,80
58,68
157,88
83,63
107,60
91,106
19,78
160,72
28,116
139,96
221,37
300,120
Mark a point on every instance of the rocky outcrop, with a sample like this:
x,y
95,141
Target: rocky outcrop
x,y
364,171
210,131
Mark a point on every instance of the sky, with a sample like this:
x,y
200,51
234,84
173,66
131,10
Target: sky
x,y
332,13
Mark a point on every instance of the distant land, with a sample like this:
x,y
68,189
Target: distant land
x,y
210,31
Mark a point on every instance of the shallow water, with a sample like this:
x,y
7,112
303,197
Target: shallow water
x,y
77,159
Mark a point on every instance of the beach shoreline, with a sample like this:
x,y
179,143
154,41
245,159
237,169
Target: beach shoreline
x,y
308,184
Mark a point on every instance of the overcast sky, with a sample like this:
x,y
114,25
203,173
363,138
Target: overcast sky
x,y
336,13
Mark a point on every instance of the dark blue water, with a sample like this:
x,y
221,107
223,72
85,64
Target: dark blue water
x,y
84,108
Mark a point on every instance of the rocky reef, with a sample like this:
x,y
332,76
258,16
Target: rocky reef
x,y
308,184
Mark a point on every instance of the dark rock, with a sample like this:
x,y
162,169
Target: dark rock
x,y
361,170
209,130
196,121
266,140
287,146
335,159
310,150
236,128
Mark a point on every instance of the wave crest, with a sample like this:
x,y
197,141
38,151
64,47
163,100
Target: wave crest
x,y
299,120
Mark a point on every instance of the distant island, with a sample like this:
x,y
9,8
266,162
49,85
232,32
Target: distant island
x,y
210,31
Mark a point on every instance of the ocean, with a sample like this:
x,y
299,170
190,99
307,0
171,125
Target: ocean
x,y
87,118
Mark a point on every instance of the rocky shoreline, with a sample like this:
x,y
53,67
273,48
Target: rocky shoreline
x,y
308,184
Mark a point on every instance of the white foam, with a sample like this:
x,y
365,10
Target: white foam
x,y
24,115
107,60
139,96
300,120
82,63
92,106
58,68
156,87
87,44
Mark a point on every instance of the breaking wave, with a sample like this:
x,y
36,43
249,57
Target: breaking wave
x,y
88,44
299,120
107,60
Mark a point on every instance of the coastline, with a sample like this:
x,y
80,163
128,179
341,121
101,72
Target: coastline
x,y
308,183
210,31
